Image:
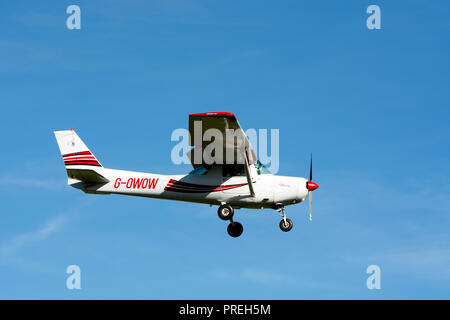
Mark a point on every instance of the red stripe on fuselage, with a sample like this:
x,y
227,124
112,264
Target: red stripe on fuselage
x,y
180,186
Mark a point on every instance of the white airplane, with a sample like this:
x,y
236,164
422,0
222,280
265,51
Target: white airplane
x,y
242,182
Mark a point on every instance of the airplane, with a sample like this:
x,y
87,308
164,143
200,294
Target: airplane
x,y
242,182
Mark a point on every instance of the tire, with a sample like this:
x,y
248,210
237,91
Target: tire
x,y
287,227
235,229
225,212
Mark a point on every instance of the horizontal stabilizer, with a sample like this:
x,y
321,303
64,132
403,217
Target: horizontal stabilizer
x,y
86,175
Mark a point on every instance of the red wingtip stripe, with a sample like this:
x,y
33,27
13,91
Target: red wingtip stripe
x,y
213,114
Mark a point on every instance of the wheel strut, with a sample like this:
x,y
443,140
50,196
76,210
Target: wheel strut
x,y
282,214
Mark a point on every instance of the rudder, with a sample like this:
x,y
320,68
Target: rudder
x,y
74,152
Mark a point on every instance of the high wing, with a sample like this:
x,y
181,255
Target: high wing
x,y
218,129
217,138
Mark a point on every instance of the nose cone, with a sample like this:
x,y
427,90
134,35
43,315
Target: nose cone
x,y
311,185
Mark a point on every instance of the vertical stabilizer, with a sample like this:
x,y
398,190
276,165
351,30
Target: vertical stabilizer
x,y
73,150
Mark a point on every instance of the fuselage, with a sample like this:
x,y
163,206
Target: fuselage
x,y
211,188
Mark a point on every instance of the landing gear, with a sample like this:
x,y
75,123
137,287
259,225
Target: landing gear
x,y
235,229
285,224
225,212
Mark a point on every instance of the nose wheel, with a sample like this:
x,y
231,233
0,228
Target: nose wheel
x,y
286,223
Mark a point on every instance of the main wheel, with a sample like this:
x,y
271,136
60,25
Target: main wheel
x,y
235,229
225,212
286,226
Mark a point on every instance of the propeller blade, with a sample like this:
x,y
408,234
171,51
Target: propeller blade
x,y
311,186
310,206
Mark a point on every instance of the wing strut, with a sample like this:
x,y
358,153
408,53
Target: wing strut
x,y
248,174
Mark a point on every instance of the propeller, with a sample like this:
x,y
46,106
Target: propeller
x,y
311,186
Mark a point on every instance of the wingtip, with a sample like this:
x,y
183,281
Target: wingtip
x,y
213,114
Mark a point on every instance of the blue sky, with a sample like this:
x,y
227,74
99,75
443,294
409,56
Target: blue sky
x,y
373,107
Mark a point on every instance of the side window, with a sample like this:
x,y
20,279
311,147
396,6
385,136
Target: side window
x,y
260,168
199,171
233,170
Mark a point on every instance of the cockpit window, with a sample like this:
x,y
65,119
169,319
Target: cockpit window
x,y
261,169
231,170
199,171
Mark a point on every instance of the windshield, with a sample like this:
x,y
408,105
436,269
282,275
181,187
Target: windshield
x,y
261,169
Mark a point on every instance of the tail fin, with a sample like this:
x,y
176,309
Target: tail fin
x,y
83,168
74,152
